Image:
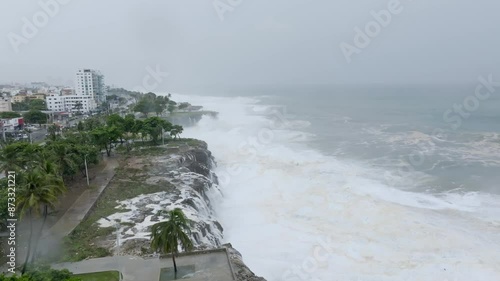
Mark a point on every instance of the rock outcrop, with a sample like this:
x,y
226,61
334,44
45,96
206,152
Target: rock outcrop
x,y
241,270
183,173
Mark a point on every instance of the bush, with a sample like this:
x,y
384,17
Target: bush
x,y
43,273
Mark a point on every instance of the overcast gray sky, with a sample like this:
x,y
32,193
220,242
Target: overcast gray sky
x,y
258,42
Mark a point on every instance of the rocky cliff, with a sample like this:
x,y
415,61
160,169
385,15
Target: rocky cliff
x,y
181,173
182,177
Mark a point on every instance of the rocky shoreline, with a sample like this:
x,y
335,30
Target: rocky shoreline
x,y
182,173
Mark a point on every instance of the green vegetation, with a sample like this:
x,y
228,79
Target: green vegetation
x,y
167,235
35,117
39,188
37,104
127,183
152,103
41,176
20,106
43,273
4,214
29,104
43,172
100,276
9,114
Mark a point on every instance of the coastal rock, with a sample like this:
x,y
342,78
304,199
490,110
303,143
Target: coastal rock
x,y
241,270
187,182
186,175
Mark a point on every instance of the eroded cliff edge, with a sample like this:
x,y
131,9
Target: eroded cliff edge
x,y
151,180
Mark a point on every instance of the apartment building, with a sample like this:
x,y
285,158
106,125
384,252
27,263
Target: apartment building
x,y
56,103
89,92
90,83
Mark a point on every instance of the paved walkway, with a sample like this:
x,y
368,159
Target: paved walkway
x,y
81,207
132,268
51,241
53,237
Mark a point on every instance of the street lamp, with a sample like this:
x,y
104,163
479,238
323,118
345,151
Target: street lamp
x,y
86,169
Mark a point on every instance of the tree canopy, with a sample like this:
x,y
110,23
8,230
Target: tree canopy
x,y
150,102
37,104
9,114
43,273
167,236
35,117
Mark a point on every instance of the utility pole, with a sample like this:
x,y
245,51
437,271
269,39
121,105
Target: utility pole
x,y
162,136
86,170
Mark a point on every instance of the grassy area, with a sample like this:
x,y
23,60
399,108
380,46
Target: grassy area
x,y
127,183
190,142
100,276
193,113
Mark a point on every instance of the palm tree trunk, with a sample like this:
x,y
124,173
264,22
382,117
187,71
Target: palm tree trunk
x,y
175,265
25,265
45,213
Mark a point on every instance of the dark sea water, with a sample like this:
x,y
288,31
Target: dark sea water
x,y
400,129
392,182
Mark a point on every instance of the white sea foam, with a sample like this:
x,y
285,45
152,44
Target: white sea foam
x,y
282,201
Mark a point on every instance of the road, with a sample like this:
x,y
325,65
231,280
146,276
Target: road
x,y
38,135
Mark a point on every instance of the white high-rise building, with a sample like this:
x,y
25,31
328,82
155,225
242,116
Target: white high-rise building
x,y
89,92
90,83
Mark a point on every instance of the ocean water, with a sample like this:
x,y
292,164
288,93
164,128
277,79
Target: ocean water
x,y
357,183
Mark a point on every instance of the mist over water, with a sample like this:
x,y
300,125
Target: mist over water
x,y
328,180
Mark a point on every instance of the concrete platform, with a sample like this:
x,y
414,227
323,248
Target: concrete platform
x,y
211,265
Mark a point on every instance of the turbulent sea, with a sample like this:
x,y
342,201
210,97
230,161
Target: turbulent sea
x,y
357,183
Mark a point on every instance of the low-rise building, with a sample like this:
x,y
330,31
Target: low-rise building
x,y
20,97
70,103
77,103
56,103
38,96
67,91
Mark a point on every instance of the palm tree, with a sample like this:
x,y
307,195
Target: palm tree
x,y
17,156
166,235
38,190
63,154
78,107
53,131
